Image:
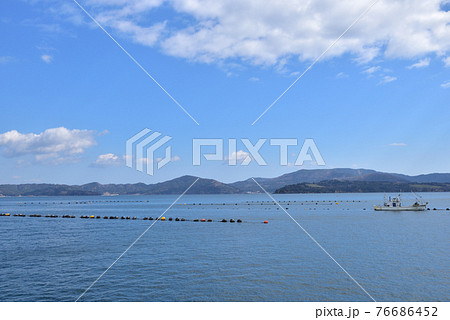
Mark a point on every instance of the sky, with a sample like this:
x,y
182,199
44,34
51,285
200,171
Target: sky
x,y
72,94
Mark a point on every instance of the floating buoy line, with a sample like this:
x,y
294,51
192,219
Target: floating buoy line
x,y
246,203
250,205
93,217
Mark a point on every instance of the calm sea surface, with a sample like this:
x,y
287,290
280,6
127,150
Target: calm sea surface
x,y
395,256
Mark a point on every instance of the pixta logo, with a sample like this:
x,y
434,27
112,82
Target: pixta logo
x,y
141,148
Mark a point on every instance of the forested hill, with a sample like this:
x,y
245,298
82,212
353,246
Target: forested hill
x,y
336,186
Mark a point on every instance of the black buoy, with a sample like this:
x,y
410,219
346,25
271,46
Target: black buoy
x,y
195,220
123,218
239,220
111,217
72,217
128,218
232,220
105,217
170,219
134,218
224,220
145,218
209,220
98,217
183,219
151,218
177,219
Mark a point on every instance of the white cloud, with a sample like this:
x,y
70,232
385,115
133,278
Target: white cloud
x,y
397,144
238,156
387,79
124,16
446,85
420,64
446,61
106,160
253,79
54,145
47,58
217,30
372,70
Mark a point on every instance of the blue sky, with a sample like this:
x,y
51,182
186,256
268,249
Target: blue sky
x,y
379,99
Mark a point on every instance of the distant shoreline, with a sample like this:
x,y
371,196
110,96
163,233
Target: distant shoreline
x,y
339,180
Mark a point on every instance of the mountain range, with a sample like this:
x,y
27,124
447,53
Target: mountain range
x,y
209,186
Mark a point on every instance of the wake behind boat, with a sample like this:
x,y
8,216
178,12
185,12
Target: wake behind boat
x,y
395,204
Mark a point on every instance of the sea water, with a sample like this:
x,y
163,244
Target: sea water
x,y
394,256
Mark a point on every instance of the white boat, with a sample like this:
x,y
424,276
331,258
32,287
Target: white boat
x,y
395,204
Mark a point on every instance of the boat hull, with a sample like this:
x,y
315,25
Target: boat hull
x,y
411,208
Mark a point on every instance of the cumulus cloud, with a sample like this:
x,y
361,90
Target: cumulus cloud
x,y
238,156
397,144
387,79
420,64
47,58
107,160
217,30
446,85
54,145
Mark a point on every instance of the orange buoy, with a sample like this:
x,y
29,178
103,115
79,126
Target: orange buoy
x,y
266,221
203,220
